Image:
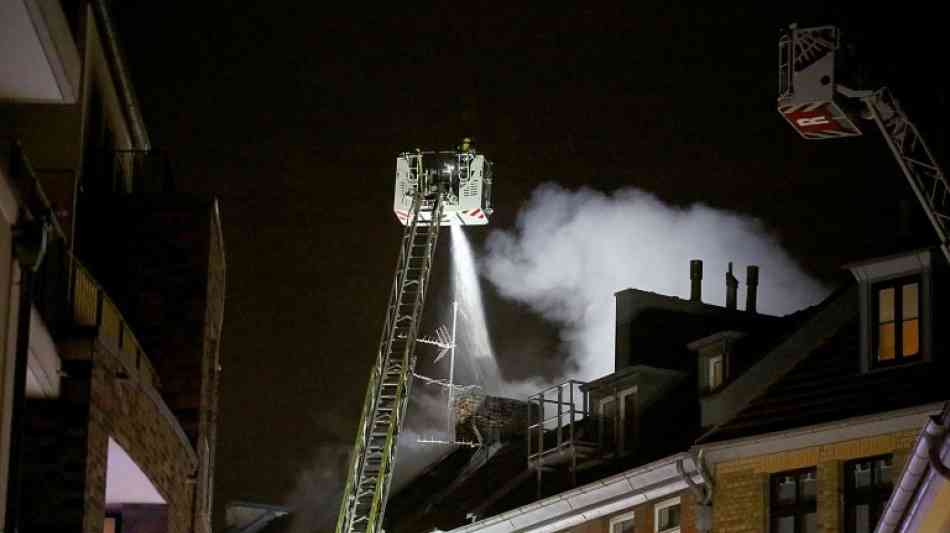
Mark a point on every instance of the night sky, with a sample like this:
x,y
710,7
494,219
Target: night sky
x,y
292,114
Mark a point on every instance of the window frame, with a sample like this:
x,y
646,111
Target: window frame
x,y
619,396
666,504
710,386
619,519
872,496
897,284
800,508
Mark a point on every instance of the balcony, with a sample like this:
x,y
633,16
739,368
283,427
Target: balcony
x,y
39,61
66,296
92,308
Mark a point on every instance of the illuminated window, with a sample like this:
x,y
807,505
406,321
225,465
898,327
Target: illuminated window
x,y
897,321
792,507
622,523
868,485
667,516
112,523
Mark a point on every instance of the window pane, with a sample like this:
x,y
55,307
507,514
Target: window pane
x,y
886,342
784,524
629,421
623,526
909,307
715,372
811,523
882,474
862,519
608,412
786,490
809,487
910,340
885,305
669,518
862,475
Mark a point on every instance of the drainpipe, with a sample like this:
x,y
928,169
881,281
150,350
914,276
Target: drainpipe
x,y
29,245
936,434
703,491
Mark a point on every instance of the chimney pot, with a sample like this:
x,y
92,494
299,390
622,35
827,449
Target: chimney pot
x,y
696,280
752,283
732,287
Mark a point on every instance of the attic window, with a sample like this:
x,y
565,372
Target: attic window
x,y
716,372
897,316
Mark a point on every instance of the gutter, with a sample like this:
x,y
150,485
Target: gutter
x,y
594,500
924,467
121,73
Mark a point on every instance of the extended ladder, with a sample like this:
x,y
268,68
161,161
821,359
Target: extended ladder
x,y
916,160
371,466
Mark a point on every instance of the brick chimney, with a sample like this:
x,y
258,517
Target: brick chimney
x,y
732,287
487,419
752,287
696,280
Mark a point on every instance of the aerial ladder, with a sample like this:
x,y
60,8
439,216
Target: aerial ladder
x,y
819,107
433,189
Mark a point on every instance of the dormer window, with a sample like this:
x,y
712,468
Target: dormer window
x,y
714,353
897,310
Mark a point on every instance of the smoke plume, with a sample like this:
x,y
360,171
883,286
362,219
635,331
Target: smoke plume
x,y
571,250
315,499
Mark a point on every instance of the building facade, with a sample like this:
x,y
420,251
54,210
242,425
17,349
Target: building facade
x,y
112,290
814,436
721,420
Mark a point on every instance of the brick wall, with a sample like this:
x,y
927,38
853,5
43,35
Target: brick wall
x,y
210,363
67,445
644,516
496,418
740,498
124,410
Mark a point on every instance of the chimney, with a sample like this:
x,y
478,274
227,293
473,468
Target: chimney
x,y
752,283
696,280
732,286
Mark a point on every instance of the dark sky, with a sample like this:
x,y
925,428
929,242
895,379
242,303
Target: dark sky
x,y
292,113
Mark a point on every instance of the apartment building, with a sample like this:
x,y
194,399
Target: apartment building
x,y
111,292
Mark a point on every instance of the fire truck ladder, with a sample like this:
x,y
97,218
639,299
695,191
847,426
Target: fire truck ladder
x,y
915,159
374,454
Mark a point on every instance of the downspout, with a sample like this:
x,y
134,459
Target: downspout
x,y
703,491
30,239
139,133
926,452
936,434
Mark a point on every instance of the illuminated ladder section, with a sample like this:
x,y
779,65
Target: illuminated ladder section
x,y
915,159
371,466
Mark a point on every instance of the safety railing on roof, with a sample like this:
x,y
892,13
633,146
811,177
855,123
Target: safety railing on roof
x,y
92,307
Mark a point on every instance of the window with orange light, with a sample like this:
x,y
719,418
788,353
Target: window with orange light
x,y
897,321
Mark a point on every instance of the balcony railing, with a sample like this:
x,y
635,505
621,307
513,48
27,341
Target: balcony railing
x,y
92,307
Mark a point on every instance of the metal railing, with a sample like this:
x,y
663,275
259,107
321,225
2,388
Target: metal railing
x,y
92,307
559,428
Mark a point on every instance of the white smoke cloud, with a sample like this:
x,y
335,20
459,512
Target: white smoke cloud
x,y
571,250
